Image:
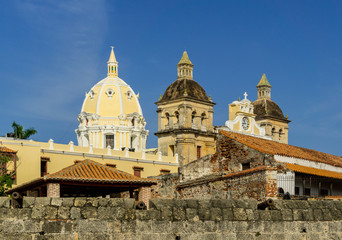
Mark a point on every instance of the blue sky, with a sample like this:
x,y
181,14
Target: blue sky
x,y
52,52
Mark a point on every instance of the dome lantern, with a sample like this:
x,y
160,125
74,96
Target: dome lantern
x,y
112,65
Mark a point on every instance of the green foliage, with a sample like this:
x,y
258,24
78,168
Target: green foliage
x,y
19,132
6,180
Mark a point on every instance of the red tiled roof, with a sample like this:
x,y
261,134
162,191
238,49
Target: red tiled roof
x,y
314,171
90,171
7,150
276,148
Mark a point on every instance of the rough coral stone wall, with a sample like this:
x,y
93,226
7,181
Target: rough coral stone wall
x,y
252,185
108,218
198,168
231,154
165,187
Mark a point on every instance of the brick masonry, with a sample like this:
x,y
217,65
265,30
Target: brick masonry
x,y
53,190
110,218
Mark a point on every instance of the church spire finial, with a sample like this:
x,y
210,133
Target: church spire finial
x,y
185,67
112,64
264,88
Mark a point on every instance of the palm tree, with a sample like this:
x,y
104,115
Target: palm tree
x,y
19,132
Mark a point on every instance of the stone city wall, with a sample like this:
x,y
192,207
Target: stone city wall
x,y
251,184
106,218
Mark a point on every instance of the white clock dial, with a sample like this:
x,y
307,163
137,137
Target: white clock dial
x,y
245,123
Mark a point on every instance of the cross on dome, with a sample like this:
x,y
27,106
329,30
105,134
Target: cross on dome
x,y
245,94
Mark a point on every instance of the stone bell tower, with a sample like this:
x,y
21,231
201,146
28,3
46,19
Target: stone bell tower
x,y
268,113
185,117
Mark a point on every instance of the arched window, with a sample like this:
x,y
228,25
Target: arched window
x,y
202,119
280,133
133,122
167,118
193,115
273,131
177,116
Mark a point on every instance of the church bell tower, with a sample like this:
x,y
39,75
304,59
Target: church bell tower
x,y
185,117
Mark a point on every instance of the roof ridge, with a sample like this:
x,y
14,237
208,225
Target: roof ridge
x,y
276,148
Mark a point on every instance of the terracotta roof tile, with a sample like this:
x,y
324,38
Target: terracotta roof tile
x,y
276,148
90,171
7,150
313,171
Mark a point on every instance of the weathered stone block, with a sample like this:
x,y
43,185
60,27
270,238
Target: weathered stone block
x,y
209,226
192,203
204,204
42,201
316,204
161,203
92,202
92,226
118,213
327,215
143,226
63,212
318,214
24,213
227,214
51,212
57,201
129,215
166,214
128,227
104,213
75,213
276,215
52,227
191,214
298,215
227,203
302,204
264,215
239,214
178,214
308,215
31,226
80,202
13,226
129,203
289,204
38,212
252,215
216,214
154,214
204,214
28,202
103,202
161,226
68,202
115,202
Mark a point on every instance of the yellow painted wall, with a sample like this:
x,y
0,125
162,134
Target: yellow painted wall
x,y
29,157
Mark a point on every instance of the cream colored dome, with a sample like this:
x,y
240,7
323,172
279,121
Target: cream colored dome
x,y
111,97
111,115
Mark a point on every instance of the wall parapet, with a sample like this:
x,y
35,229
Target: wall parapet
x,y
110,218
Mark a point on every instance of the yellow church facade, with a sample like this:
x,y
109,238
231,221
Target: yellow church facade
x,y
35,159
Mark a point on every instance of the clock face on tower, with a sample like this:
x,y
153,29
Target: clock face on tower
x,y
245,123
